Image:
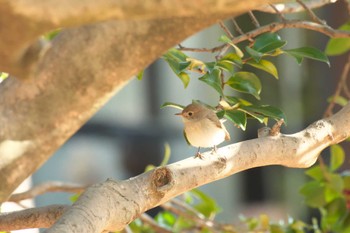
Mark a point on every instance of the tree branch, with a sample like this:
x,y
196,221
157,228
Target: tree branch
x,y
122,201
294,7
40,217
53,186
277,26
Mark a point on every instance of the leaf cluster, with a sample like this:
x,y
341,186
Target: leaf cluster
x,y
228,72
329,192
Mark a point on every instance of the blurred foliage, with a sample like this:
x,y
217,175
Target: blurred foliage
x,y
227,72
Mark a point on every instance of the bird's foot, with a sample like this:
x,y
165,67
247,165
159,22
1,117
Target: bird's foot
x,y
199,155
214,150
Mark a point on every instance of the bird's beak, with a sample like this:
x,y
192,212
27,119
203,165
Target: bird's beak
x,y
178,114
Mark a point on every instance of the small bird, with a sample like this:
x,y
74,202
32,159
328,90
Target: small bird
x,y
202,127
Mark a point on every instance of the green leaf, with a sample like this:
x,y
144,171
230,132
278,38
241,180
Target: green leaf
x,y
232,100
337,157
256,55
338,46
225,39
257,116
274,228
245,82
51,35
139,76
315,172
239,118
213,79
338,100
268,42
3,76
266,110
165,219
307,52
334,187
207,205
313,192
233,59
173,105
178,62
264,65
210,66
225,66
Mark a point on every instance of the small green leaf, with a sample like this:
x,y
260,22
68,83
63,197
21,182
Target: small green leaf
x,y
239,118
266,110
313,192
184,77
207,205
334,187
268,42
274,228
51,35
233,59
213,79
264,65
257,116
178,62
337,157
245,82
165,219
315,172
225,39
139,76
167,153
254,54
210,66
3,76
338,100
173,105
225,66
338,46
307,52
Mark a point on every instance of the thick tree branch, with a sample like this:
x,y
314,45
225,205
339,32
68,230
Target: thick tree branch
x,y
160,185
120,202
21,52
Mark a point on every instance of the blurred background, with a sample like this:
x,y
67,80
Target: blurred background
x,y
130,131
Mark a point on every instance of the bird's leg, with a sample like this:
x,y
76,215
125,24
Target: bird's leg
x,y
215,149
198,154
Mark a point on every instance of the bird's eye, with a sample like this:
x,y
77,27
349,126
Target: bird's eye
x,y
190,113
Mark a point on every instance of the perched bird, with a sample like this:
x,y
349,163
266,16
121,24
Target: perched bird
x,y
202,127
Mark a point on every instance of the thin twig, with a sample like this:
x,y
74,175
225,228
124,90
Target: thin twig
x,y
54,186
341,84
279,13
293,7
237,27
226,30
276,26
311,13
254,19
